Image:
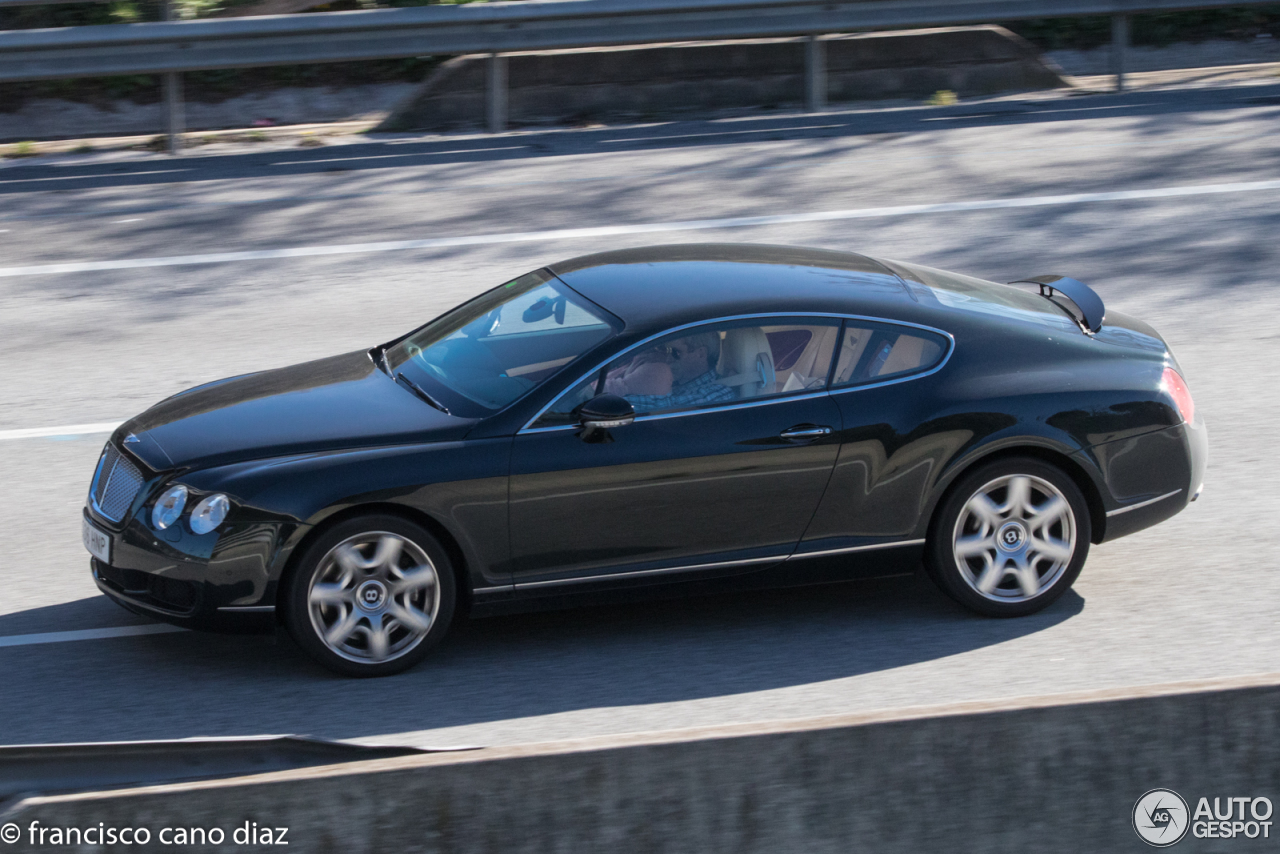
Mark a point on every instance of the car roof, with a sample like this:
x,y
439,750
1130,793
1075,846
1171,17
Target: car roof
x,y
660,285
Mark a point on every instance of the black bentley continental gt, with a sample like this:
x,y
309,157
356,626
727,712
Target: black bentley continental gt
x,y
669,419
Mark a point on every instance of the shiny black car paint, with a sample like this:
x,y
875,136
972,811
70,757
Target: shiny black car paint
x,y
708,496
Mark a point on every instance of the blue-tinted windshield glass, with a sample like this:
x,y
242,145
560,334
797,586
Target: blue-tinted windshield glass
x,y
496,347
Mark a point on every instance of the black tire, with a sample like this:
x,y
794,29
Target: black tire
x,y
989,550
387,590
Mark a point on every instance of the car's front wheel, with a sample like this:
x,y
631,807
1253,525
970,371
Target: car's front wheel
x,y
1009,538
371,596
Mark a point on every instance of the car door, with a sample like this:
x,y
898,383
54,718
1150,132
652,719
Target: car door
x,y
883,383
721,480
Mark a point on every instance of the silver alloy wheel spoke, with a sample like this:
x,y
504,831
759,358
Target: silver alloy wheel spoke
x,y
413,579
342,629
374,597
1014,538
349,559
990,577
333,594
1050,549
409,617
379,642
387,554
1028,578
1051,509
982,506
975,546
1019,500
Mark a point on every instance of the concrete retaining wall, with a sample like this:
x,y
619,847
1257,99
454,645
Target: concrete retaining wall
x,y
1051,774
648,81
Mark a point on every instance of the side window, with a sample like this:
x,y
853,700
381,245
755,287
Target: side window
x,y
713,365
871,353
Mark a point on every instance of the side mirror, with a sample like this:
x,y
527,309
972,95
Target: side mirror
x,y
602,413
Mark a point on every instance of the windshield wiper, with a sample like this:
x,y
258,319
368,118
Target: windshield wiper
x,y
418,390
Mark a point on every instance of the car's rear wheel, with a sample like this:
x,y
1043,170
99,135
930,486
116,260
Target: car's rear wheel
x,y
371,596
1009,538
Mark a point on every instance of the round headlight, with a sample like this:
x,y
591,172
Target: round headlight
x,y
209,513
169,507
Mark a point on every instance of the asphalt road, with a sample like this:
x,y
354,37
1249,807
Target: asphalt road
x,y
1196,597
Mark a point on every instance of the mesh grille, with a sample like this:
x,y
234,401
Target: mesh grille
x,y
115,484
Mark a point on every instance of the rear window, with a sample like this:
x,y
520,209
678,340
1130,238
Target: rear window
x,y
871,353
966,293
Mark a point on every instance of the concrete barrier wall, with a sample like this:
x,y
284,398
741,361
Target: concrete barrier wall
x,y
1051,774
648,81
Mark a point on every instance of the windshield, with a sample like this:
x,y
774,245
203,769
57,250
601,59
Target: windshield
x,y
488,352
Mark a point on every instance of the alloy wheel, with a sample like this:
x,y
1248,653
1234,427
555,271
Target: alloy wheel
x,y
1014,538
373,597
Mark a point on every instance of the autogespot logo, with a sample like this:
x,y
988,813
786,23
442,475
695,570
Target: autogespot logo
x,y
1160,817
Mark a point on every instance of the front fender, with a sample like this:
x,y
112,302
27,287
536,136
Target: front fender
x,y
461,486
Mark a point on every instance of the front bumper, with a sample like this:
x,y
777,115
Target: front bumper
x,y
221,581
177,602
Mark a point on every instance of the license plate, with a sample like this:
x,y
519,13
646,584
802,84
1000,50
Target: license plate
x,y
97,542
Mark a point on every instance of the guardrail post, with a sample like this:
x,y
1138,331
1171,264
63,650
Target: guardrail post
x,y
496,95
174,119
1119,46
815,74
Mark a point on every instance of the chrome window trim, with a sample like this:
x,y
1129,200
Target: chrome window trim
x,y
529,428
1149,501
658,416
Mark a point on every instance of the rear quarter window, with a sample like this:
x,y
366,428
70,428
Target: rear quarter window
x,y
872,353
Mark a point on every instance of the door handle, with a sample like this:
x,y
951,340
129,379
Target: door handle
x,y
805,433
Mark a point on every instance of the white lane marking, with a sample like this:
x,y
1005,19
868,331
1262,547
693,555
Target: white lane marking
x,y
640,228
716,133
853,157
398,154
89,634
131,219
94,175
65,430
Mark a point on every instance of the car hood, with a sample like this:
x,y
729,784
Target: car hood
x,y
331,404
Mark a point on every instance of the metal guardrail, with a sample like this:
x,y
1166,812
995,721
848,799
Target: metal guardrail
x,y
173,47
495,28
4,4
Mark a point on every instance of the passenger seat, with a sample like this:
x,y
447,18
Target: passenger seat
x,y
746,362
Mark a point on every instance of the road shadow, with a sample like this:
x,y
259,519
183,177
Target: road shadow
x,y
383,153
188,684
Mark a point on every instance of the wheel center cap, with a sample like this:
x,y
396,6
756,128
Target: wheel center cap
x,y
371,595
1011,536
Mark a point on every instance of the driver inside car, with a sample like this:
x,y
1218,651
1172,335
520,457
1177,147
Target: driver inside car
x,y
678,374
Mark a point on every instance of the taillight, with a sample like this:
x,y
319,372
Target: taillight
x,y
1177,388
